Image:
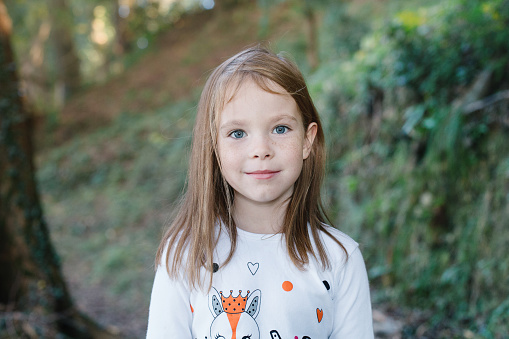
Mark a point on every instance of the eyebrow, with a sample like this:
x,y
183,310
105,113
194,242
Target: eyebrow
x,y
284,116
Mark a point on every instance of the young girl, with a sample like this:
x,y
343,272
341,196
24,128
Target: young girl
x,y
249,255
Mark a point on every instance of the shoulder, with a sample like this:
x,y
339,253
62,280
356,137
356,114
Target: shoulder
x,y
164,248
331,235
338,255
172,258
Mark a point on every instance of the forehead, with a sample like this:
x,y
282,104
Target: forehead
x,y
238,81
256,93
249,99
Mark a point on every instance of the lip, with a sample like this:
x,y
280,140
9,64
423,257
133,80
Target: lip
x,y
263,174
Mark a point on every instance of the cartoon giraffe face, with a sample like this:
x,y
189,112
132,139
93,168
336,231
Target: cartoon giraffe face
x,y
232,319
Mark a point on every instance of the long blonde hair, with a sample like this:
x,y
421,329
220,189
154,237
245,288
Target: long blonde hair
x,y
208,198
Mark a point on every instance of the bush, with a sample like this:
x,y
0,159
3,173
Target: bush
x,y
420,183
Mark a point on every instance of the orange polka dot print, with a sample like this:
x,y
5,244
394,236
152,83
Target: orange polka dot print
x,y
287,286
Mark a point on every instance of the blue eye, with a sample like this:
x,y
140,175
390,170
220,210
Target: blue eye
x,y
280,129
237,134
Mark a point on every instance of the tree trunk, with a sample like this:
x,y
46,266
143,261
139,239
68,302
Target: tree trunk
x,y
31,283
122,35
311,35
68,62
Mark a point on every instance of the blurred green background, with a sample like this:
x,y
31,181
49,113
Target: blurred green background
x,y
414,96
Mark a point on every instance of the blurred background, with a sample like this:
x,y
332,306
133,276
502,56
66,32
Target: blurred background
x,y
414,96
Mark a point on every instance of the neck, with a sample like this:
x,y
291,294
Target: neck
x,y
264,218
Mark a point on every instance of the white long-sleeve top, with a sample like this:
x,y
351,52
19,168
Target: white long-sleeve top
x,y
262,294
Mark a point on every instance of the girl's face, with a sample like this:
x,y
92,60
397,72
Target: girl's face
x,y
262,144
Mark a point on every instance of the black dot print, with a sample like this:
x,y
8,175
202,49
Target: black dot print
x,y
217,306
253,306
215,267
327,286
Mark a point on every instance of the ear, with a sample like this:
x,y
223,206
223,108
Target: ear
x,y
309,139
253,302
215,305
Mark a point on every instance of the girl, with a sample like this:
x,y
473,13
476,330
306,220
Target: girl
x,y
249,254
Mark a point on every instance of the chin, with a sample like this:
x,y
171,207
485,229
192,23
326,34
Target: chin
x,y
268,199
265,197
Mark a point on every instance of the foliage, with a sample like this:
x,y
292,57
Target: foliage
x,y
421,184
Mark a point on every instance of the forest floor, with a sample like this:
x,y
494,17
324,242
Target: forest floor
x,y
171,70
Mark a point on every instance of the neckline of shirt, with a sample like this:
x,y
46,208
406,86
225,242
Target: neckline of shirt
x,y
242,234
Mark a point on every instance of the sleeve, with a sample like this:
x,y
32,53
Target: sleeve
x,y
170,313
353,317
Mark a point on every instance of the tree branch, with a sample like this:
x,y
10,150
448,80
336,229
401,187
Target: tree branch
x,y
486,102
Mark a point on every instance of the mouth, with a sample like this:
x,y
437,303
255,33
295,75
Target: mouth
x,y
265,174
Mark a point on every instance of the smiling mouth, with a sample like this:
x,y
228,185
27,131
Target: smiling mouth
x,y
262,174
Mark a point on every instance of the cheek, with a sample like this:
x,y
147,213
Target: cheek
x,y
293,150
230,163
227,156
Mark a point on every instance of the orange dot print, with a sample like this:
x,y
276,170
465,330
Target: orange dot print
x,y
287,286
192,309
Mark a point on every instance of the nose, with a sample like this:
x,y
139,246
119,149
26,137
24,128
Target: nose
x,y
261,148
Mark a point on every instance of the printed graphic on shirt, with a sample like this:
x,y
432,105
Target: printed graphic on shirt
x,y
287,286
275,335
234,317
253,268
319,314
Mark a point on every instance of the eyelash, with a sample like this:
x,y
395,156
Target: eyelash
x,y
232,133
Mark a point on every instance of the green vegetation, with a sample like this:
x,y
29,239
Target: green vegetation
x,y
108,195
416,175
421,180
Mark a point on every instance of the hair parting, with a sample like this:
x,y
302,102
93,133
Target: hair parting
x,y
189,242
